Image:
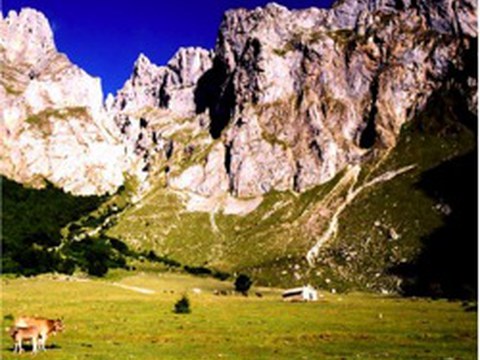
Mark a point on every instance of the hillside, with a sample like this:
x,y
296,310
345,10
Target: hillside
x,y
385,226
335,147
136,325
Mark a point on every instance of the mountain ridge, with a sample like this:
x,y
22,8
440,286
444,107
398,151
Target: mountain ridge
x,y
195,85
264,146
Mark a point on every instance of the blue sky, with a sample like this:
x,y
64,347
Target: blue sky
x,y
104,37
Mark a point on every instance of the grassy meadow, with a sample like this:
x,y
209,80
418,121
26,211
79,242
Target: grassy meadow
x,y
104,319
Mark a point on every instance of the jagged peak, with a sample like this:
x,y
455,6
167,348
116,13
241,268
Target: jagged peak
x,y
26,13
144,67
142,59
271,7
142,64
177,60
187,53
189,63
190,50
274,7
31,22
29,26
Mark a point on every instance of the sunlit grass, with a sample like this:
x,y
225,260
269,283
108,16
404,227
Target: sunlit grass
x,y
104,321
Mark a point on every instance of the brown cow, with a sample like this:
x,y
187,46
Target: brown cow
x,y
45,327
30,333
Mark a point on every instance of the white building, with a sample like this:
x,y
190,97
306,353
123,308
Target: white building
x,y
304,293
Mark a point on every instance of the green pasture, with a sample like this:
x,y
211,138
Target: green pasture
x,y
106,321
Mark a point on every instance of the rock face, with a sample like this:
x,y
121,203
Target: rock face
x,y
50,130
167,87
293,97
287,100
156,105
304,93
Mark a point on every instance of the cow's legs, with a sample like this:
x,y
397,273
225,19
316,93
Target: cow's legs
x,y
34,344
18,346
43,341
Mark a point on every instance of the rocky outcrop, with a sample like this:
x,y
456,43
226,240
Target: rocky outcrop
x,y
52,131
156,113
169,87
444,16
293,97
287,100
301,94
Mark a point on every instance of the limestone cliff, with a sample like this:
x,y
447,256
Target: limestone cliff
x,y
301,94
305,147
293,97
156,114
53,125
285,102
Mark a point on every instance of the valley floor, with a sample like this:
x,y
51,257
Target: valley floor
x,y
130,317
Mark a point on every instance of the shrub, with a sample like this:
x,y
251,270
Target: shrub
x,y
182,306
152,256
94,255
197,270
220,275
243,284
66,266
33,221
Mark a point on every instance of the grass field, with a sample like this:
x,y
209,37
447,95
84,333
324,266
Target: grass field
x,y
106,321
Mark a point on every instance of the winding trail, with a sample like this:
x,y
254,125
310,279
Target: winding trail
x,y
134,288
351,175
213,224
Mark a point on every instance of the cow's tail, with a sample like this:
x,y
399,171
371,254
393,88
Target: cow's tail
x,y
12,331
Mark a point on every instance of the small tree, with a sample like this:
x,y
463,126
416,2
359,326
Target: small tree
x,y
182,306
243,284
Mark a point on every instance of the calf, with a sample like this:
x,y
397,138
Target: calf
x,y
30,333
45,326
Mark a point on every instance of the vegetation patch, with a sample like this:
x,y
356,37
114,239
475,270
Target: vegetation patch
x,y
273,230
42,121
341,37
413,217
108,322
32,222
182,306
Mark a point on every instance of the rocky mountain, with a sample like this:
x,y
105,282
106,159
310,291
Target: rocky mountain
x,y
54,127
156,103
313,91
259,156
292,97
295,96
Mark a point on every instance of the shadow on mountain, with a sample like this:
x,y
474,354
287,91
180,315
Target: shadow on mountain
x,y
32,221
215,93
447,265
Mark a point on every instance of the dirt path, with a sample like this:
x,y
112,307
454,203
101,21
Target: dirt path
x,y
350,176
134,288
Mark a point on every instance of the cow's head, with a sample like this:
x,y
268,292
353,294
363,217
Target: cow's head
x,y
58,325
